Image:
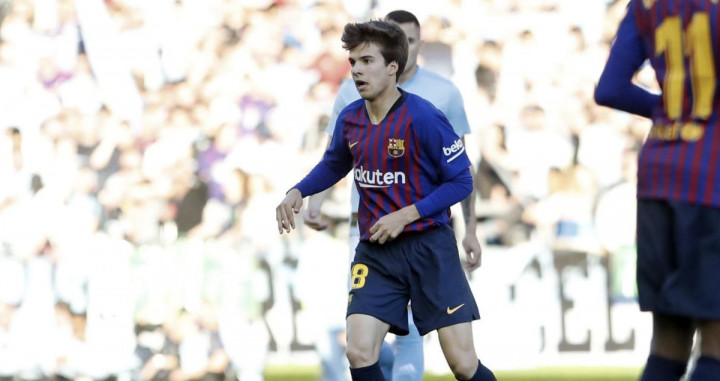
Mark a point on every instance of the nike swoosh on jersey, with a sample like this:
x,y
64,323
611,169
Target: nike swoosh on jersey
x,y
351,145
451,311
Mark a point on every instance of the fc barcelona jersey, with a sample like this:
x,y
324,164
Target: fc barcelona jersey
x,y
399,161
681,38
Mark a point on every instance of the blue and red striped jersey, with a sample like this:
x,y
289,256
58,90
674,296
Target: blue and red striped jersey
x,y
398,162
681,39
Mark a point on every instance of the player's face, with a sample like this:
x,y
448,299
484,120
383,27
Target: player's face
x,y
412,32
371,75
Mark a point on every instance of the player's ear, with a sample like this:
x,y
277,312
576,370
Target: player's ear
x,y
392,68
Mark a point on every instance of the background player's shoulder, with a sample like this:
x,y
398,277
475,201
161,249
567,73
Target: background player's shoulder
x,y
435,80
347,91
347,84
354,105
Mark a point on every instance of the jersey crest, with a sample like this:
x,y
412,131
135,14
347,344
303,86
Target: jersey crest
x,y
396,147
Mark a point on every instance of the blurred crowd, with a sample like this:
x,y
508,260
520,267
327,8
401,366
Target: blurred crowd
x,y
144,146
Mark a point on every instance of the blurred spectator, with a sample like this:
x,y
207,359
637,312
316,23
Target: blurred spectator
x,y
488,68
536,146
218,362
615,224
9,343
565,217
4,8
501,208
157,352
34,320
193,348
437,52
13,168
72,352
323,304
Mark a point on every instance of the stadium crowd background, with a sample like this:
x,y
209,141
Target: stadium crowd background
x,y
144,146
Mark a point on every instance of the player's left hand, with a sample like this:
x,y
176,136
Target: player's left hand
x,y
473,252
387,228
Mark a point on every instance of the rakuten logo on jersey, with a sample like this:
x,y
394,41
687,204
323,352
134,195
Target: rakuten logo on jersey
x,y
377,179
454,150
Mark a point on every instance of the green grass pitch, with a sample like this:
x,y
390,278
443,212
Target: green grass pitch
x,y
311,373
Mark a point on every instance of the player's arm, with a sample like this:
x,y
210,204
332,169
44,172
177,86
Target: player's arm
x,y
455,113
313,213
312,218
470,242
450,192
615,88
335,164
468,205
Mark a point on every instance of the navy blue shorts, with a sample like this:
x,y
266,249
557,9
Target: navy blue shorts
x,y
678,269
422,267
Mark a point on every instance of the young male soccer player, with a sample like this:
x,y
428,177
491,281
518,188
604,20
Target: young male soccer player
x,y
409,168
443,94
678,228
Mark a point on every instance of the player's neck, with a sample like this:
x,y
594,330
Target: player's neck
x,y
407,74
378,108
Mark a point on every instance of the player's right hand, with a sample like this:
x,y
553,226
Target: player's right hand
x,y
314,220
285,212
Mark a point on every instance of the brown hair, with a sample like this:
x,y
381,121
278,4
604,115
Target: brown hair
x,y
387,35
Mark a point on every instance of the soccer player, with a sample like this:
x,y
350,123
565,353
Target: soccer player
x,y
408,364
678,211
409,168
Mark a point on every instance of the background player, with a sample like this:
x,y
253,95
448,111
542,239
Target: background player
x,y
678,176
408,364
397,143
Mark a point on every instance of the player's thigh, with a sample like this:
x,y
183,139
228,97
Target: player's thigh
x,y
457,344
710,338
672,336
440,293
365,334
377,284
